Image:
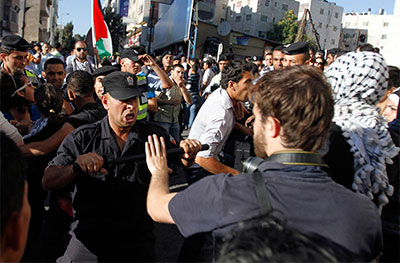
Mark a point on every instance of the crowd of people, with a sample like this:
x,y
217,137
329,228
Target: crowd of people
x,y
91,168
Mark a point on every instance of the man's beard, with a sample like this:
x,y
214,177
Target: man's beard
x,y
259,145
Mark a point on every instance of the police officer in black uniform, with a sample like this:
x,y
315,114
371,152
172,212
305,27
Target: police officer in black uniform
x,y
109,201
14,54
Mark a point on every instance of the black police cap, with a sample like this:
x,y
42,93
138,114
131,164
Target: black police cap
x,y
14,42
130,53
121,85
104,71
296,48
168,52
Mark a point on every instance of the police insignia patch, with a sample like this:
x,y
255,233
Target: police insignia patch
x,y
130,81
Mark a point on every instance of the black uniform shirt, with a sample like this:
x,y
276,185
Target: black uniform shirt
x,y
111,208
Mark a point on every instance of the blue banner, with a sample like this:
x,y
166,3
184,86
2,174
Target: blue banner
x,y
123,8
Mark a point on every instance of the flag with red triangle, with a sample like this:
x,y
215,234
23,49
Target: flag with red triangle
x,y
100,34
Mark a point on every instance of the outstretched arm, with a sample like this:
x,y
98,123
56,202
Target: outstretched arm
x,y
158,196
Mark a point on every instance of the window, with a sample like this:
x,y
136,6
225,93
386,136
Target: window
x,y
264,18
261,34
334,28
285,7
321,11
140,9
238,18
223,7
383,37
273,20
329,12
336,15
222,20
14,16
319,25
386,24
332,42
248,17
266,2
276,4
365,23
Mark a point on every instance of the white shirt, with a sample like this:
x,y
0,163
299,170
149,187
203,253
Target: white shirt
x,y
214,123
9,129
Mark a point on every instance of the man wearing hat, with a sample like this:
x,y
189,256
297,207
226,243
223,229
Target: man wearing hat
x,y
109,201
296,54
14,53
132,60
98,76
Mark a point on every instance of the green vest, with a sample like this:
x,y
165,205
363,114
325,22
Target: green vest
x,y
142,83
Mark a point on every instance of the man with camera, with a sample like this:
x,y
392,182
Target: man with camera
x,y
293,111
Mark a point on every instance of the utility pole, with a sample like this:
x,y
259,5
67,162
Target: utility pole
x,y
151,22
23,18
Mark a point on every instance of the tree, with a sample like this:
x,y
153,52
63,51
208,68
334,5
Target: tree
x,y
116,27
285,30
68,41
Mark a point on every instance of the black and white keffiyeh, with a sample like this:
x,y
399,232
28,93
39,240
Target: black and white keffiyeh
x,y
359,80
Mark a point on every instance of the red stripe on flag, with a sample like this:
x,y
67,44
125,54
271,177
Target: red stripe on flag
x,y
100,28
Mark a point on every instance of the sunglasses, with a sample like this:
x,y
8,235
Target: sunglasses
x,y
79,49
22,88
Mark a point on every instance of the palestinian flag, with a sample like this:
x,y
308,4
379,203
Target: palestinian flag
x,y
100,34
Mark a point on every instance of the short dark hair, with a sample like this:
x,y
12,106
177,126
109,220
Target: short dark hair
x,y
335,52
195,67
57,45
195,60
301,99
53,61
81,83
234,71
394,77
366,47
12,173
223,57
177,66
270,239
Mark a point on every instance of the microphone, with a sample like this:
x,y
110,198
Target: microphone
x,y
141,157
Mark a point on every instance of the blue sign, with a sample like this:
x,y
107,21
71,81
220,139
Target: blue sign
x,y
123,8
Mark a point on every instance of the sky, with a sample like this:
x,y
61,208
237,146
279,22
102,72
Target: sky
x,y
78,11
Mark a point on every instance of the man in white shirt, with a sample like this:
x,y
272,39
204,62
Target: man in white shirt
x,y
216,118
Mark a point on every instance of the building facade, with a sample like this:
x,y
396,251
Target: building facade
x,y
38,22
10,11
382,31
327,19
257,17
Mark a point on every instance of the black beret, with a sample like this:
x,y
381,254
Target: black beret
x,y
178,57
130,53
296,48
256,58
104,71
168,52
14,42
121,85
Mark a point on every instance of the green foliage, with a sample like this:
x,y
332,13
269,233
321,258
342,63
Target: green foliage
x,y
116,27
68,41
285,30
311,41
